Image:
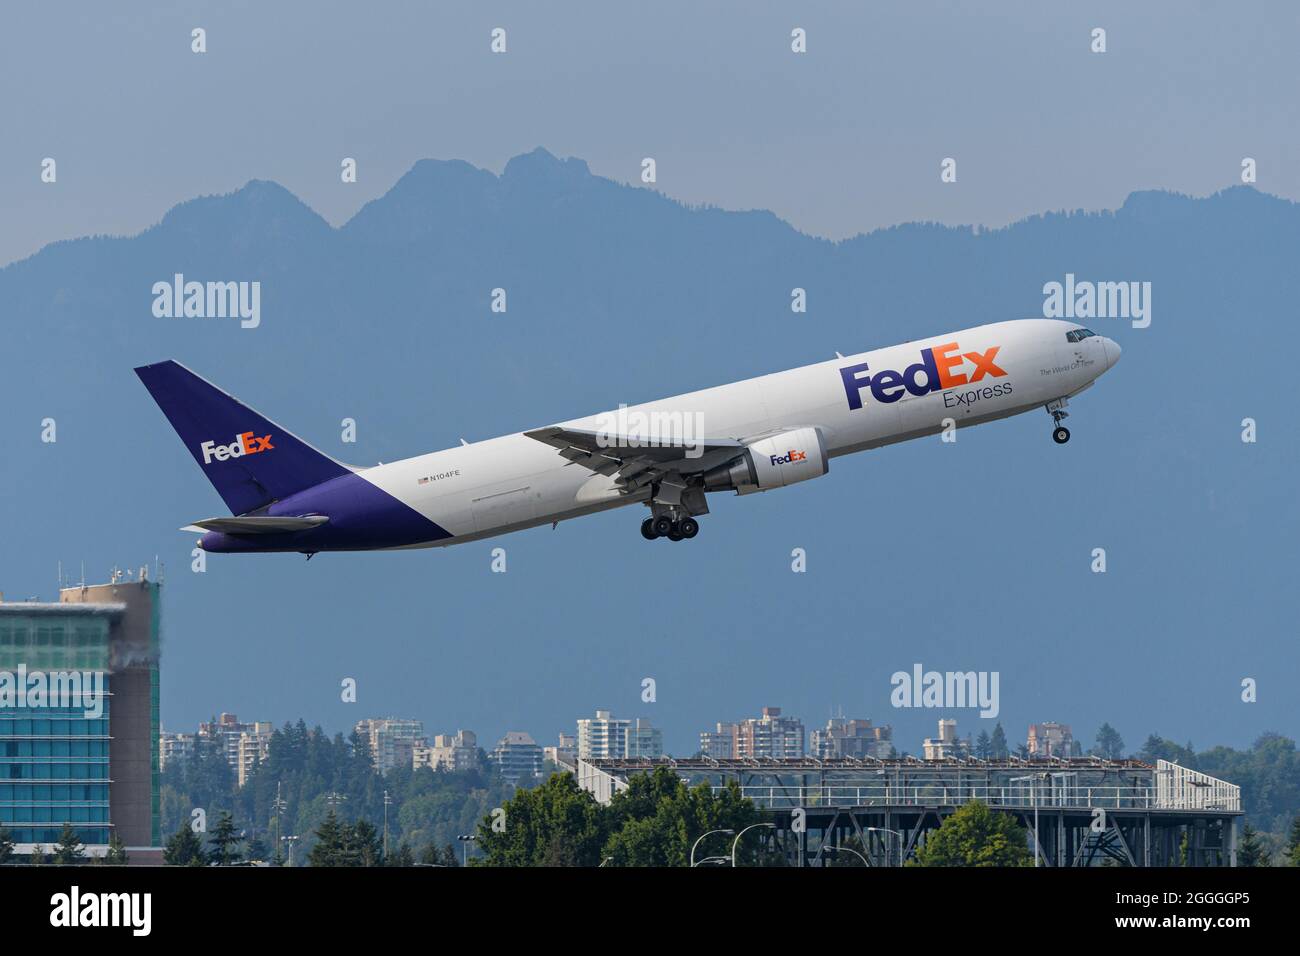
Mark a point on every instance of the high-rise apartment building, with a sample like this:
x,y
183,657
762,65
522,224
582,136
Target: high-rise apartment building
x,y
458,751
843,737
610,738
1050,739
517,757
392,741
947,745
768,736
602,737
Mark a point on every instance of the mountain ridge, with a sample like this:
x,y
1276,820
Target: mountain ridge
x,y
435,179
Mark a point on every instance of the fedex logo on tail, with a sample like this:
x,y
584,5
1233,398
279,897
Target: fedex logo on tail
x,y
944,367
245,443
788,457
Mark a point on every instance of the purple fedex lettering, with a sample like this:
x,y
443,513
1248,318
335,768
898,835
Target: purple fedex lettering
x,y
888,385
853,385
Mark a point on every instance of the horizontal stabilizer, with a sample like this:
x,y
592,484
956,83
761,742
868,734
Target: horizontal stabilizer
x,y
265,524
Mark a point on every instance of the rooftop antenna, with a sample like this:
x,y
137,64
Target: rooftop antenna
x,y
83,574
60,574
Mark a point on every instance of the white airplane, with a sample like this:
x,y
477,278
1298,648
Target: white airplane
x,y
755,435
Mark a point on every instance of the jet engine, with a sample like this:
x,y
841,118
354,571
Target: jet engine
x,y
774,462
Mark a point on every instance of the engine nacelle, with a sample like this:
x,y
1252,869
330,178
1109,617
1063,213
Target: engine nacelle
x,y
774,462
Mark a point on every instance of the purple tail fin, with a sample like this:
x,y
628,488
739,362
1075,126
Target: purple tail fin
x,y
250,460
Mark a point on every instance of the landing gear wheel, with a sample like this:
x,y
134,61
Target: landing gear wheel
x,y
1060,434
676,533
688,527
648,529
662,526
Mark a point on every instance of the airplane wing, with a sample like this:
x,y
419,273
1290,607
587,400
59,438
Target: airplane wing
x,y
257,524
635,462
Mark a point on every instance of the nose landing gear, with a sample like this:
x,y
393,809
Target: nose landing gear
x,y
1060,434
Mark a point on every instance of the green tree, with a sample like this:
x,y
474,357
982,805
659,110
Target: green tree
x,y
1251,852
1293,843
184,848
984,745
403,857
6,845
1110,746
1157,748
68,851
331,838
657,818
364,845
38,855
256,850
224,839
554,824
116,855
653,822
998,743
976,836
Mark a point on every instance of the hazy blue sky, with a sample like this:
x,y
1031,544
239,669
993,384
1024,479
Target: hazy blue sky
x,y
845,138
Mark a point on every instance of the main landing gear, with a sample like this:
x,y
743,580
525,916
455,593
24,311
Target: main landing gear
x,y
1060,434
673,529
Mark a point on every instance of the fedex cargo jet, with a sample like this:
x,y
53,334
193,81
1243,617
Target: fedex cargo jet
x,y
750,436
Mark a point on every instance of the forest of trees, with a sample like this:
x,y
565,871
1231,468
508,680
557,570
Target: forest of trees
x,y
654,822
312,774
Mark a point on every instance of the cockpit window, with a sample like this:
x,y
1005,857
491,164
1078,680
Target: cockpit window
x,y
1078,335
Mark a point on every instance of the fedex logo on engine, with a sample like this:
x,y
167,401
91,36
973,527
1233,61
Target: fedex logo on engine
x,y
940,366
788,457
244,444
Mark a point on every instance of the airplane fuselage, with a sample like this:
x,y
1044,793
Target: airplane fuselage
x,y
854,403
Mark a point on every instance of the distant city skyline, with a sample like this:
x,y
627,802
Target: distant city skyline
x,y
402,741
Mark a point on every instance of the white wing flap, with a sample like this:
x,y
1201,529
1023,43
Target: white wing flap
x,y
635,462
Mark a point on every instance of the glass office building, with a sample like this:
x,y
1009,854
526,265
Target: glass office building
x,y
79,716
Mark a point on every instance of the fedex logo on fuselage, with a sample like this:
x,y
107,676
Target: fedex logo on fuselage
x,y
245,443
940,365
788,457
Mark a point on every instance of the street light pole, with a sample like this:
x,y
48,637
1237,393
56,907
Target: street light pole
x,y
1033,779
465,840
702,836
736,842
387,800
853,851
895,833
